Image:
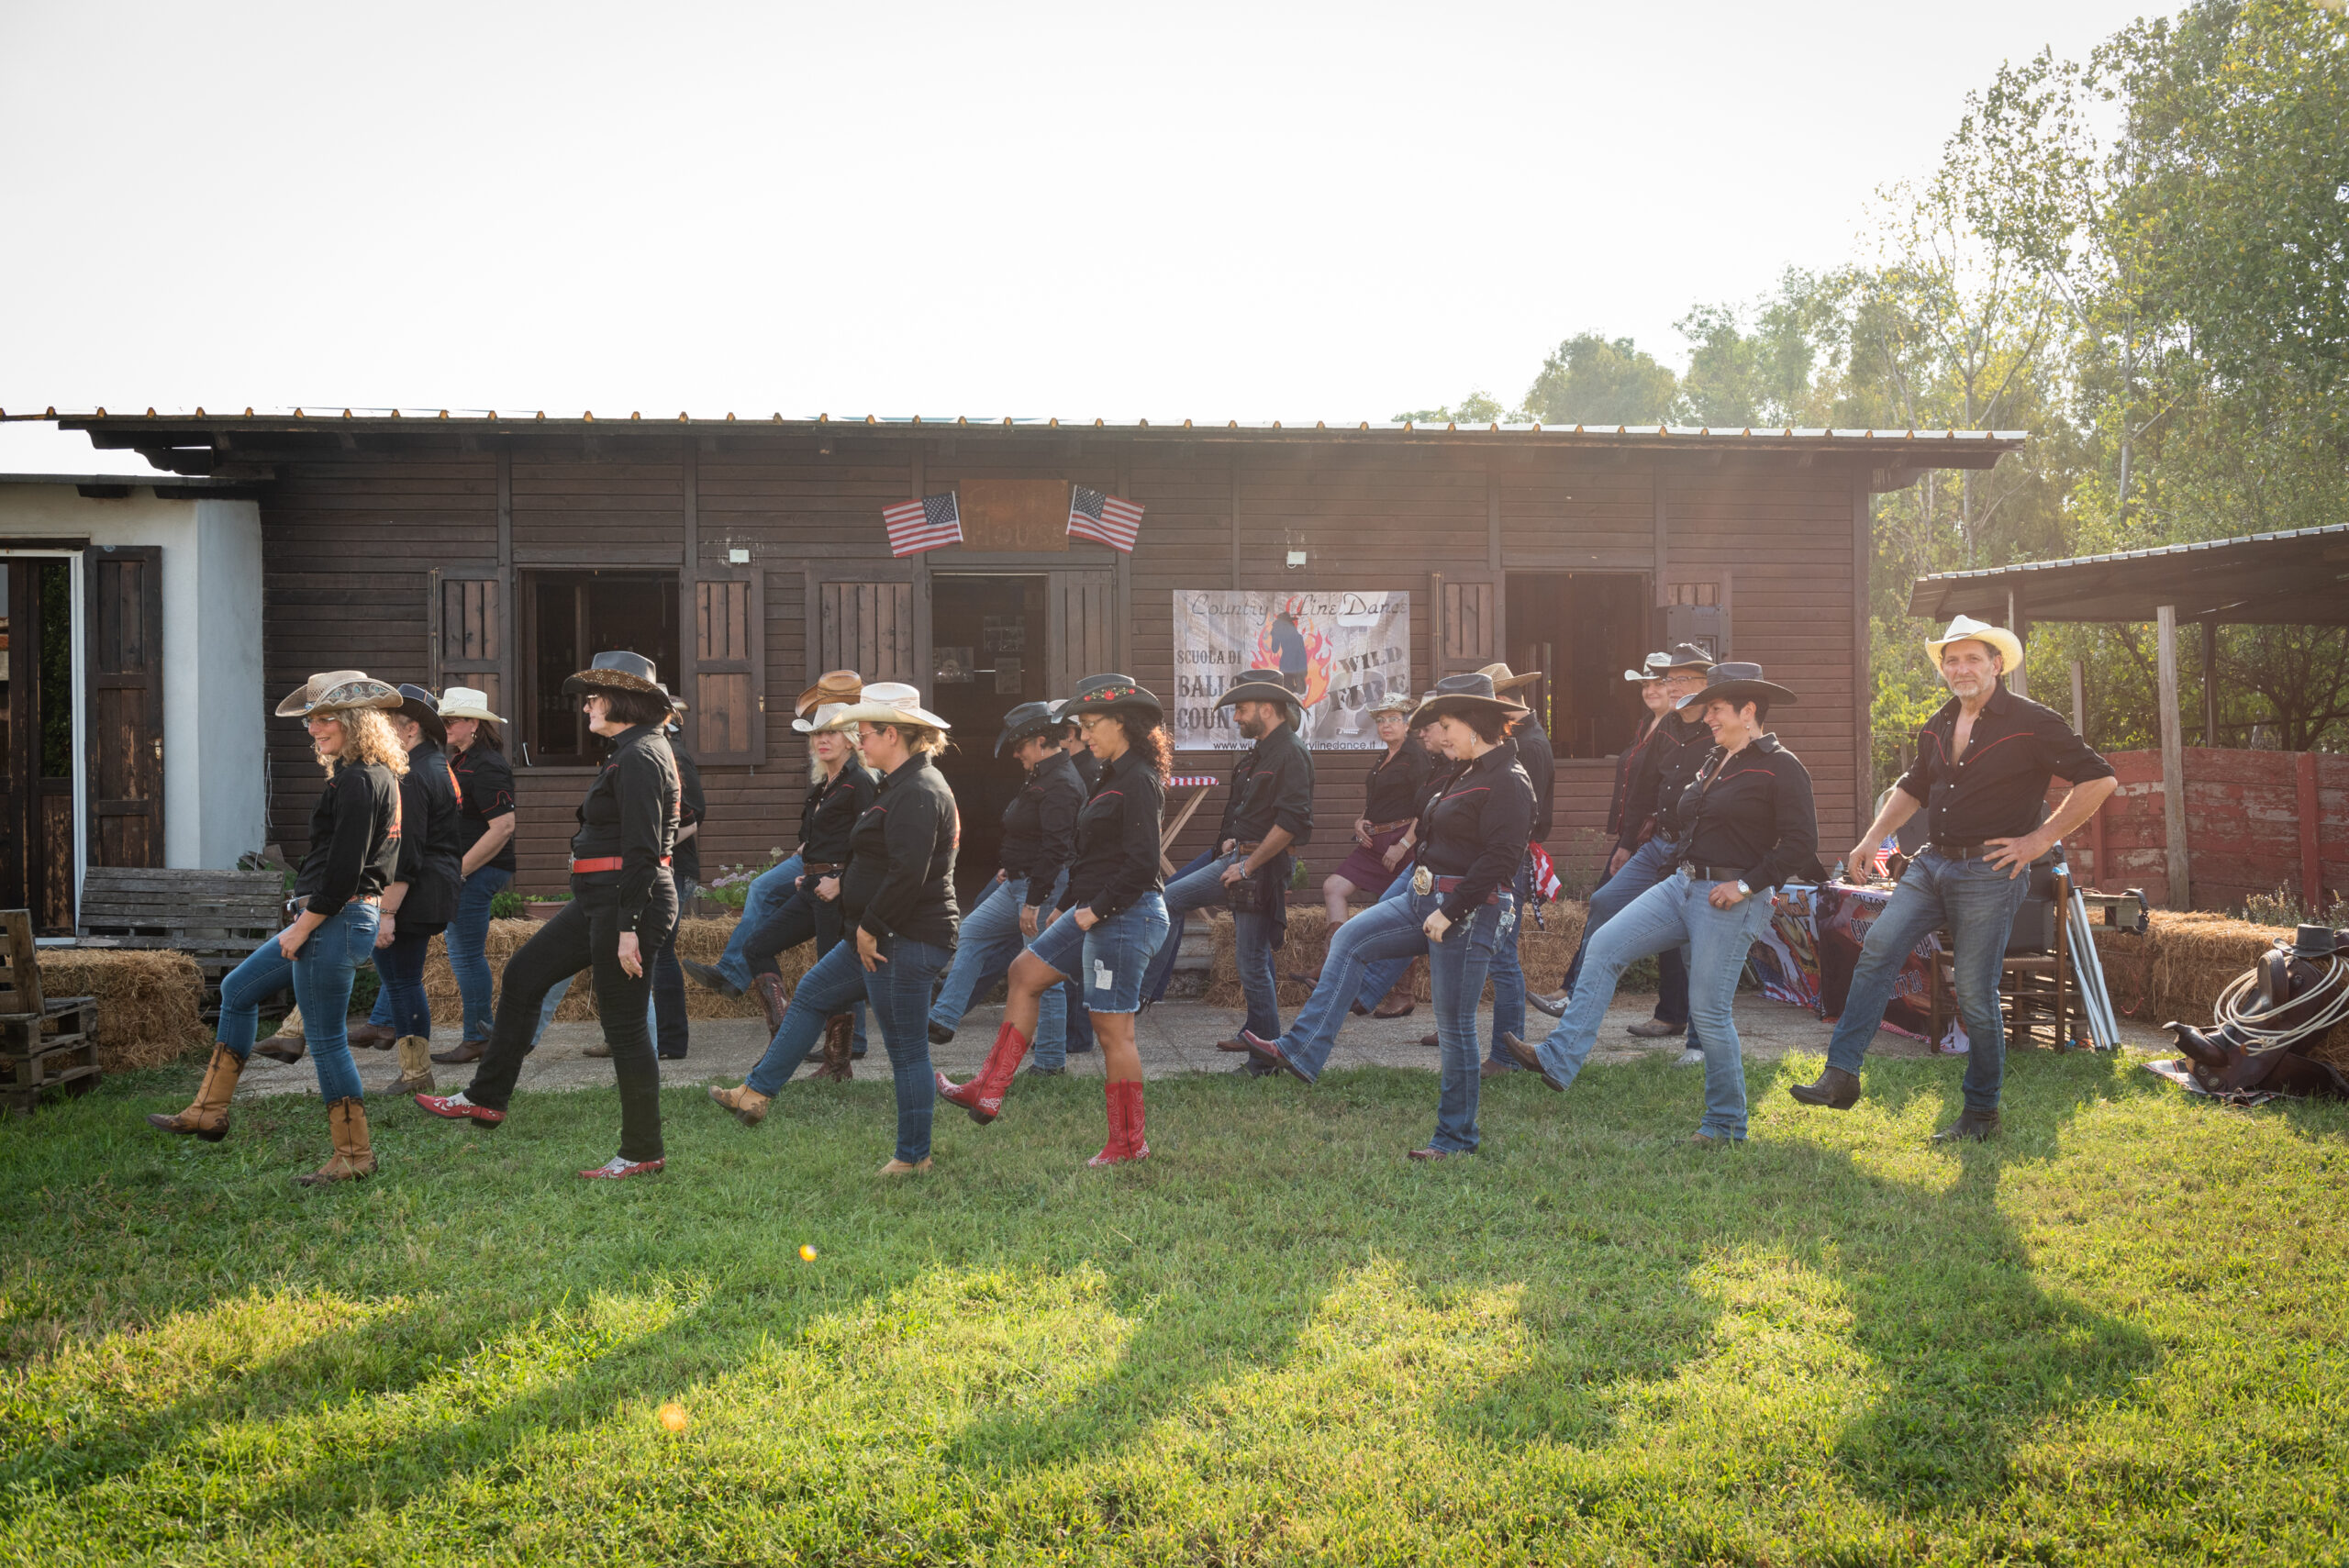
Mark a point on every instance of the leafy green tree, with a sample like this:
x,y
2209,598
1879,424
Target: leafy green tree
x,y
1591,380
1479,407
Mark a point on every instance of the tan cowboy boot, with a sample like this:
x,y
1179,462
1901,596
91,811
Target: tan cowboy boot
x,y
835,1067
415,1065
208,1114
750,1106
353,1155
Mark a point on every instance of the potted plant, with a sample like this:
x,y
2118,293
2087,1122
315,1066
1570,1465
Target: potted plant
x,y
543,905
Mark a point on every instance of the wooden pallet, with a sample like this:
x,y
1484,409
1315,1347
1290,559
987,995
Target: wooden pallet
x,y
217,918
45,1042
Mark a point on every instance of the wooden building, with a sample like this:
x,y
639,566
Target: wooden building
x,y
747,555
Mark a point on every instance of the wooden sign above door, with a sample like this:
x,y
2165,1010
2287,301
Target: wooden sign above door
x,y
1027,515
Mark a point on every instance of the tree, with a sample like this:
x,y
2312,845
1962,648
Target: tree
x,y
1591,380
1771,375
1479,407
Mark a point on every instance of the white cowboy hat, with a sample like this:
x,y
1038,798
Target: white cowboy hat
x,y
467,702
823,718
1966,629
886,702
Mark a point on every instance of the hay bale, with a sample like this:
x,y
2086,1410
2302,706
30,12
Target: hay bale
x,y
701,940
150,1003
1543,952
2176,969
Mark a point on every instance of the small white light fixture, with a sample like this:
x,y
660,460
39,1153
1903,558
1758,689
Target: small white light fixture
x,y
736,556
1296,559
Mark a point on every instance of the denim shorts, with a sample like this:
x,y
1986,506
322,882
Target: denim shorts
x,y
1108,962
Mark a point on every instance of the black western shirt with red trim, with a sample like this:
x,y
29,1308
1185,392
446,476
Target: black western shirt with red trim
x,y
1117,839
1998,788
1477,828
485,792
1271,787
1397,784
1625,765
1040,826
1660,777
900,875
831,810
1752,814
631,812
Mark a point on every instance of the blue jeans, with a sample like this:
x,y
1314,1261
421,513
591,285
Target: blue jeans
x,y
401,1000
1162,968
1508,974
467,940
321,978
765,896
1977,904
1649,864
1379,978
898,992
1674,912
1457,966
1670,975
985,945
1251,942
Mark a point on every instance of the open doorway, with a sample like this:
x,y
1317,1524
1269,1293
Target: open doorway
x,y
988,653
38,819
1582,630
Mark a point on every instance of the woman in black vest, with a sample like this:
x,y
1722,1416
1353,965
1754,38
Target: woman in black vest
x,y
897,890
623,907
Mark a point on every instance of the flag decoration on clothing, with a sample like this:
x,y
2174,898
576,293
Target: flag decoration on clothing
x,y
1546,886
1103,518
928,524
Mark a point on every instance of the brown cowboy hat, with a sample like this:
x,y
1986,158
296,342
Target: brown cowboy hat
x,y
832,686
336,690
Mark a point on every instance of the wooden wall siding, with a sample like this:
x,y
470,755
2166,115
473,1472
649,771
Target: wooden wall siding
x,y
123,670
786,505
627,510
1591,515
1081,606
868,628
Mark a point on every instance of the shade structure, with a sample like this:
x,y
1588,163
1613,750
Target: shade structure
x,y
2301,578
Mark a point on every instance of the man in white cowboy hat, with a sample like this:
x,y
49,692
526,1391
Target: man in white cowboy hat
x,y
1982,766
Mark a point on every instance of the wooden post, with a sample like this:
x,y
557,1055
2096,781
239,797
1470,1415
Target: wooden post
x,y
2019,678
2079,700
1863,653
2209,681
2311,859
2181,891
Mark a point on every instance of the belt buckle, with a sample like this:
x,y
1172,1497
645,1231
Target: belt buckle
x,y
1422,881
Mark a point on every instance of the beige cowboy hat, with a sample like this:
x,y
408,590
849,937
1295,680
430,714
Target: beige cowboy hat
x,y
822,718
1504,681
886,702
336,690
467,702
1966,629
831,686
1397,701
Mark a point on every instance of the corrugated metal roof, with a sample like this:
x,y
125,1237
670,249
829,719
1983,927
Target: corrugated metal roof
x,y
2152,552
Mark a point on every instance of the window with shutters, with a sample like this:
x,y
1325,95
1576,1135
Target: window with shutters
x,y
567,619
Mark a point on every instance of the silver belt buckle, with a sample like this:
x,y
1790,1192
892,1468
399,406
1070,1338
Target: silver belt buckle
x,y
1422,881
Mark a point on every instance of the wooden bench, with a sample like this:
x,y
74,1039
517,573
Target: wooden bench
x,y
44,1043
217,918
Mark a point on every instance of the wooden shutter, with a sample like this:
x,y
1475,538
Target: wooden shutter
x,y
469,635
1464,627
124,670
727,694
868,628
1082,627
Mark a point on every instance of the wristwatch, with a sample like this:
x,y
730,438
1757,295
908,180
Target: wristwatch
x,y
1743,891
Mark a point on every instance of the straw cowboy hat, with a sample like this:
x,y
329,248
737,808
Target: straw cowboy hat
x,y
421,705
1108,693
821,720
1966,629
467,702
1026,721
886,702
616,672
1398,701
1260,686
1503,681
831,686
1737,684
336,690
1457,695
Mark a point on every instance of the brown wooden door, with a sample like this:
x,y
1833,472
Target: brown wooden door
x,y
470,634
1081,612
869,624
1465,622
727,692
123,668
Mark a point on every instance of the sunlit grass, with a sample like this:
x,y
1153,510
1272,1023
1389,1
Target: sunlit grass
x,y
2113,1336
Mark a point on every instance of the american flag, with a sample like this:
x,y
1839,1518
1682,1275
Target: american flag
x,y
926,524
1546,874
1105,518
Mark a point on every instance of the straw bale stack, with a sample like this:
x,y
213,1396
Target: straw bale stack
x,y
2176,969
150,1003
1543,953
701,940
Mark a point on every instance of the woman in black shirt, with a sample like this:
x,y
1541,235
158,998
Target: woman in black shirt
x,y
485,823
623,907
1461,905
1391,802
353,855
423,894
1747,825
1111,916
897,890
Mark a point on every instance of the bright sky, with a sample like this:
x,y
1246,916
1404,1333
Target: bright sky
x,y
1251,211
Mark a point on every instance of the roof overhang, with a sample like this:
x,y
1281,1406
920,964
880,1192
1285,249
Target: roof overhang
x,y
2300,578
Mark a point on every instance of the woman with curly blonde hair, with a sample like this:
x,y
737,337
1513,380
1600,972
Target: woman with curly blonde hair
x,y
338,900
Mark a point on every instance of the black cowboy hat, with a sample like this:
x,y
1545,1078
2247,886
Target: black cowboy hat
x,y
1030,719
1683,656
1257,686
1107,694
1465,694
616,672
421,705
1738,683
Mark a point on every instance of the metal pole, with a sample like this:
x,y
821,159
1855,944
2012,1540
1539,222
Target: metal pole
x,y
2181,891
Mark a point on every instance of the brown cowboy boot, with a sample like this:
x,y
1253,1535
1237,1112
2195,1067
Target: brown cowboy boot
x,y
835,1068
415,1065
1400,999
774,1001
353,1155
750,1106
287,1044
1836,1089
377,1036
1973,1126
983,1095
208,1114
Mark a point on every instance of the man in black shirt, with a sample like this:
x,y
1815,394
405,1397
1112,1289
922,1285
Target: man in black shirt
x,y
1529,744
1269,812
1982,766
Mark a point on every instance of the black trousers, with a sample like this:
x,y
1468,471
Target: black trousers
x,y
585,934
801,917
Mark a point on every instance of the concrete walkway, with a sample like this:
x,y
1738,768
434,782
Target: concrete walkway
x,y
1175,1037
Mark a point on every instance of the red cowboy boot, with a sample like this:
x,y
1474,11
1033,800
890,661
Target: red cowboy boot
x,y
1114,1103
983,1095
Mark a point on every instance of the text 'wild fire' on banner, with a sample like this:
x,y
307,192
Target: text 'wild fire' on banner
x,y
1339,652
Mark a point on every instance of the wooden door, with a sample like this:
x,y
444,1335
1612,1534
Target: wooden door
x,y
1082,629
869,623
123,672
469,635
726,694
1465,616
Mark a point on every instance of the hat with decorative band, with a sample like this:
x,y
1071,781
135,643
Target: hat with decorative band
x,y
1966,629
1504,680
1734,684
1397,701
467,702
421,705
336,690
1109,694
1027,721
617,670
1257,686
832,686
886,702
1457,695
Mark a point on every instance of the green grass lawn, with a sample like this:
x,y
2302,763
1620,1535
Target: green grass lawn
x,y
2114,1336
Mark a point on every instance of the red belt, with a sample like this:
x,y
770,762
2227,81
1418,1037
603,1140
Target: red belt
x,y
604,862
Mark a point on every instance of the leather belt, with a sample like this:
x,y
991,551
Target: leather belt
x,y
300,902
1424,881
1244,846
1964,851
602,863
822,868
1378,828
1700,872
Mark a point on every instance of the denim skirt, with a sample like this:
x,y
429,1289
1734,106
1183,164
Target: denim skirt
x,y
1107,963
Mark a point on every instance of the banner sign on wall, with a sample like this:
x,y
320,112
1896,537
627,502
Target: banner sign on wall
x,y
1339,652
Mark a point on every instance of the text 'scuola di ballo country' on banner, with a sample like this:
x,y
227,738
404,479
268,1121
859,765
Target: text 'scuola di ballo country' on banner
x,y
1339,652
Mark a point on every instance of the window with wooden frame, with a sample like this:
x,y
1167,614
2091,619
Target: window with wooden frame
x,y
569,617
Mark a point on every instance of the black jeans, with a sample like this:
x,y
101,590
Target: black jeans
x,y
669,986
585,934
801,917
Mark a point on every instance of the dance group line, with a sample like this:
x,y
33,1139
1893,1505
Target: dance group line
x,y
1714,815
